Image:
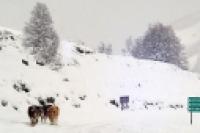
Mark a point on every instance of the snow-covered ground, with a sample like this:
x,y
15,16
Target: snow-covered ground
x,y
188,31
158,92
152,121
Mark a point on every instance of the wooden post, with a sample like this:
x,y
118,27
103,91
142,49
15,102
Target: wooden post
x,y
191,117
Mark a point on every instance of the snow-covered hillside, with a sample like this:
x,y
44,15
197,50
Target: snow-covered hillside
x,y
84,87
9,35
188,30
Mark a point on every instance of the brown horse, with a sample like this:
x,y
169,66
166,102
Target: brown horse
x,y
53,113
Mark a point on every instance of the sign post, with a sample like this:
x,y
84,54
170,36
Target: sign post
x,y
193,106
191,118
124,100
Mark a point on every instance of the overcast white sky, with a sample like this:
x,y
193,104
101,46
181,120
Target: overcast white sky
x,y
92,21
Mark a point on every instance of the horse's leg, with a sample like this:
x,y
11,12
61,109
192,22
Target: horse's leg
x,y
42,119
36,120
32,121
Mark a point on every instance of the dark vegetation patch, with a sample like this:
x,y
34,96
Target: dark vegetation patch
x,y
176,106
66,98
15,107
76,105
25,62
114,102
50,100
40,63
66,79
83,97
21,87
83,51
4,103
45,101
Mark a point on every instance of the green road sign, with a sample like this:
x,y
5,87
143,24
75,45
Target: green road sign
x,y
193,106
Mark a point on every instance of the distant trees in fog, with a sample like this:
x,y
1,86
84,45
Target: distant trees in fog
x,y
105,48
159,43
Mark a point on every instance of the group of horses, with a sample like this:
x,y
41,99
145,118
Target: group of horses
x,y
43,112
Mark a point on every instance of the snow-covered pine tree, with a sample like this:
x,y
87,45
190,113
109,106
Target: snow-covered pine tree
x,y
160,44
40,36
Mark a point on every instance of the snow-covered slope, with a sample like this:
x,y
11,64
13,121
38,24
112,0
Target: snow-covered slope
x,y
9,37
84,87
190,37
188,30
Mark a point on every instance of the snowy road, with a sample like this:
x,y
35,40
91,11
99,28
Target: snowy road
x,y
145,121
